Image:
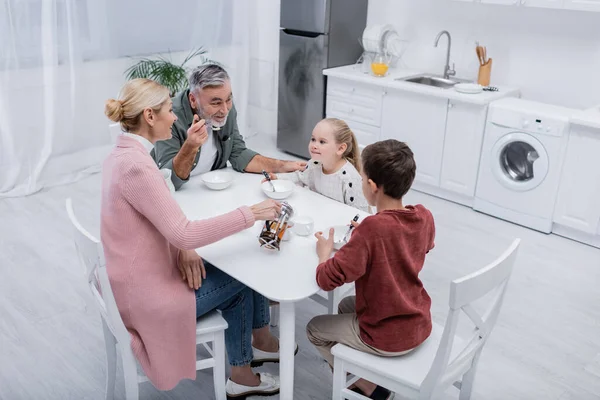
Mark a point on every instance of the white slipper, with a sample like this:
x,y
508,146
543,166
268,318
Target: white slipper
x,y
269,385
261,357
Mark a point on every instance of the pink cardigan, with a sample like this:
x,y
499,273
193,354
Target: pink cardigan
x,y
142,228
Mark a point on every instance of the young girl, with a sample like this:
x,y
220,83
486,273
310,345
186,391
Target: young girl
x,y
333,170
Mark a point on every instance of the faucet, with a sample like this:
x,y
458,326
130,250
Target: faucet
x,y
448,72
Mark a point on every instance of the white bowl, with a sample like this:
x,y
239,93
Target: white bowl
x,y
217,180
340,231
283,189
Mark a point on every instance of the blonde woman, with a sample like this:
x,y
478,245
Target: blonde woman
x,y
160,284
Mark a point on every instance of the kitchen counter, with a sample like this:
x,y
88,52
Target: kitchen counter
x,y
589,117
354,72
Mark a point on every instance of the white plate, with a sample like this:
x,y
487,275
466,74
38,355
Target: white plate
x,y
468,88
217,180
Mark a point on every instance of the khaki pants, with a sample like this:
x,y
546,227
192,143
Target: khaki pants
x,y
325,331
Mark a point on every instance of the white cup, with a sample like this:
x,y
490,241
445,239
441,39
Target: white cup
x,y
287,235
166,173
303,226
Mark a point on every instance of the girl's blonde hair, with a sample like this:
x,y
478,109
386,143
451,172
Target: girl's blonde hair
x,y
136,96
343,134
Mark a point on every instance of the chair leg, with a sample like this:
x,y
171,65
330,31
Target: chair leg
x,y
111,362
339,379
131,376
219,369
274,315
331,308
466,387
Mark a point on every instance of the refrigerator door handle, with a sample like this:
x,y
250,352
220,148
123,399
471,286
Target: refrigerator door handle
x,y
295,32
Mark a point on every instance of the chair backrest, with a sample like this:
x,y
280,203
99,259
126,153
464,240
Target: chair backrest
x,y
91,256
491,279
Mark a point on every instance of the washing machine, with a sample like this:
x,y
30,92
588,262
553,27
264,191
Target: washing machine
x,y
521,161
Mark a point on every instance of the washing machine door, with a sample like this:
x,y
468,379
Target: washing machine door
x,y
519,161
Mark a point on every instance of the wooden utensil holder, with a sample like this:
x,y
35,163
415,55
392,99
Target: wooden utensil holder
x,y
485,72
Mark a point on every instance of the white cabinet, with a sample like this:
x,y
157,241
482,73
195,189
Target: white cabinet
x,y
359,105
504,2
420,121
584,5
543,3
577,206
462,147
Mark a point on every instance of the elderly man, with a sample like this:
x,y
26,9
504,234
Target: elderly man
x,y
206,134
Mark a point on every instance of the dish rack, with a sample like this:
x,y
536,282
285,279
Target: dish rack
x,y
382,39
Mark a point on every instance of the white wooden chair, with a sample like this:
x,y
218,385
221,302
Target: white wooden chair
x,y
443,359
209,328
331,300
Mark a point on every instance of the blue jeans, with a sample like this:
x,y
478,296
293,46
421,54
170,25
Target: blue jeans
x,y
242,308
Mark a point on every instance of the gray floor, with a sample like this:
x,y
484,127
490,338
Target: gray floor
x,y
546,344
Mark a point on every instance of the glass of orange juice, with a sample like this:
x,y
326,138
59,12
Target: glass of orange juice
x,y
379,65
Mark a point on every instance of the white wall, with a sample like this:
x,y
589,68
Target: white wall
x,y
551,55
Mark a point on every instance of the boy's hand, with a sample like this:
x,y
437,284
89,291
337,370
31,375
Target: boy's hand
x,y
324,246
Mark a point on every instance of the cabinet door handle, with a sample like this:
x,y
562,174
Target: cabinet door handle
x,y
450,105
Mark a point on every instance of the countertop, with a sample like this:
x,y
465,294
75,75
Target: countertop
x,y
355,73
589,117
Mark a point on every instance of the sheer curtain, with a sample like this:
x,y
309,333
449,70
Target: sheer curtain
x,y
61,59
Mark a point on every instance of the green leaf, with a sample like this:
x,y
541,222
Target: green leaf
x,y
163,71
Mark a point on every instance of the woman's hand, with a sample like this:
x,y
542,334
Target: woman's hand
x,y
266,210
324,246
191,267
272,176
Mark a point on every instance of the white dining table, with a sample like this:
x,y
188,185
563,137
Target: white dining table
x,y
286,276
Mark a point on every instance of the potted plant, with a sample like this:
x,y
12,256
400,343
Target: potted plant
x,y
164,71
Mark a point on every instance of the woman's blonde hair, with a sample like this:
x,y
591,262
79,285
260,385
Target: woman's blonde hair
x,y
136,96
343,134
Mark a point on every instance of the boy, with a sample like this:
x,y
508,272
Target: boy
x,y
390,314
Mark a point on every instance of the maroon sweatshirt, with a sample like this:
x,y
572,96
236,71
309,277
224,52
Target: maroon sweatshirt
x,y
384,256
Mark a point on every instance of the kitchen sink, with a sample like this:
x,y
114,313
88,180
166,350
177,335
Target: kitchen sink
x,y
432,80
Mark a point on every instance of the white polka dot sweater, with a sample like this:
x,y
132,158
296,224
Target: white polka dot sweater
x,y
345,185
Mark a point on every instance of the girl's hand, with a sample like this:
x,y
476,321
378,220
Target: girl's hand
x,y
324,246
272,176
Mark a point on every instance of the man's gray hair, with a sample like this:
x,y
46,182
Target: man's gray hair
x,y
208,75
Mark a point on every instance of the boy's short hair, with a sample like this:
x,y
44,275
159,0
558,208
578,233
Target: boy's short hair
x,y
391,165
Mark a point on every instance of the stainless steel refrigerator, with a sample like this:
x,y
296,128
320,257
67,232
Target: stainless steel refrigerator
x,y
314,35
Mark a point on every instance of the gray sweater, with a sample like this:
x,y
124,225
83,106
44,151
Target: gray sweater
x,y
230,144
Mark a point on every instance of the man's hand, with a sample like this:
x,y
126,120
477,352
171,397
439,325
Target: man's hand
x,y
324,246
192,268
291,166
197,134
